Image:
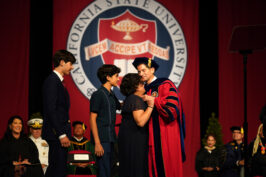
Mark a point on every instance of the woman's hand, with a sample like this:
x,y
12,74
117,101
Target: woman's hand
x,y
149,100
15,163
25,162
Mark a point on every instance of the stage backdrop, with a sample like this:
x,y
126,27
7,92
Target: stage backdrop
x,y
14,47
115,32
231,94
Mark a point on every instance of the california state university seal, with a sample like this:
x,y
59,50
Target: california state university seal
x,y
116,32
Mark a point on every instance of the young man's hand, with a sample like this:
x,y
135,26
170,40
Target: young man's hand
x,y
99,151
65,142
241,162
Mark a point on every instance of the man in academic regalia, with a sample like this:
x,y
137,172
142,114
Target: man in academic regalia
x,y
79,142
234,160
166,125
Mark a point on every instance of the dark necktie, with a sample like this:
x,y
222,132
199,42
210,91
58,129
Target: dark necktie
x,y
64,83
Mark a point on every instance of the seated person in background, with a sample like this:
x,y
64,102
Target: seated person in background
x,y
257,155
208,159
234,160
79,142
35,125
18,154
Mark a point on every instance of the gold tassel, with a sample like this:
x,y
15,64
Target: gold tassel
x,y
149,62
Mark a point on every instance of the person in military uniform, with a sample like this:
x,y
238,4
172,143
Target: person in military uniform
x,y
79,142
257,155
35,125
234,159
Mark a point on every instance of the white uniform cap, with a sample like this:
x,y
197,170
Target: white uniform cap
x,y
35,123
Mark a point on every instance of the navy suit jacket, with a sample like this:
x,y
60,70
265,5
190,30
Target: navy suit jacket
x,y
234,152
55,109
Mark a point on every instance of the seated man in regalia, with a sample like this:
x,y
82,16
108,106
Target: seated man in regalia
x,y
81,145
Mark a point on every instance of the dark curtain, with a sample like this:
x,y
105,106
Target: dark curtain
x,y
231,94
14,46
15,64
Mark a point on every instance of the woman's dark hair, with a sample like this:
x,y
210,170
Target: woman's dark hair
x,y
63,55
8,132
107,70
130,83
210,135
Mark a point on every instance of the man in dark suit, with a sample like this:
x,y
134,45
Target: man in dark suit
x,y
56,123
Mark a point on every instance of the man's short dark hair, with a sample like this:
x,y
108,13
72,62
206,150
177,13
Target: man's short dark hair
x,y
63,55
130,83
107,70
211,134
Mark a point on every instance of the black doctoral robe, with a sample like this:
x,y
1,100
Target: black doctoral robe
x,y
207,159
257,162
12,149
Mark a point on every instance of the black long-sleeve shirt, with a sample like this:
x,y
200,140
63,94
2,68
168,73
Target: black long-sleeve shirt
x,y
12,149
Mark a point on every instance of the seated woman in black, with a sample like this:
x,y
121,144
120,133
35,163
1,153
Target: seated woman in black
x,y
133,132
209,159
18,154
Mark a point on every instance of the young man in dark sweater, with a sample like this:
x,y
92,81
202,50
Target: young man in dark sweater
x,y
103,106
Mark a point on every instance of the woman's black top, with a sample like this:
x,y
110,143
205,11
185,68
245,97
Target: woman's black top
x,y
212,159
12,149
132,140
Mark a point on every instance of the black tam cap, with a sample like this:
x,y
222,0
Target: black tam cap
x,y
79,123
147,61
233,128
